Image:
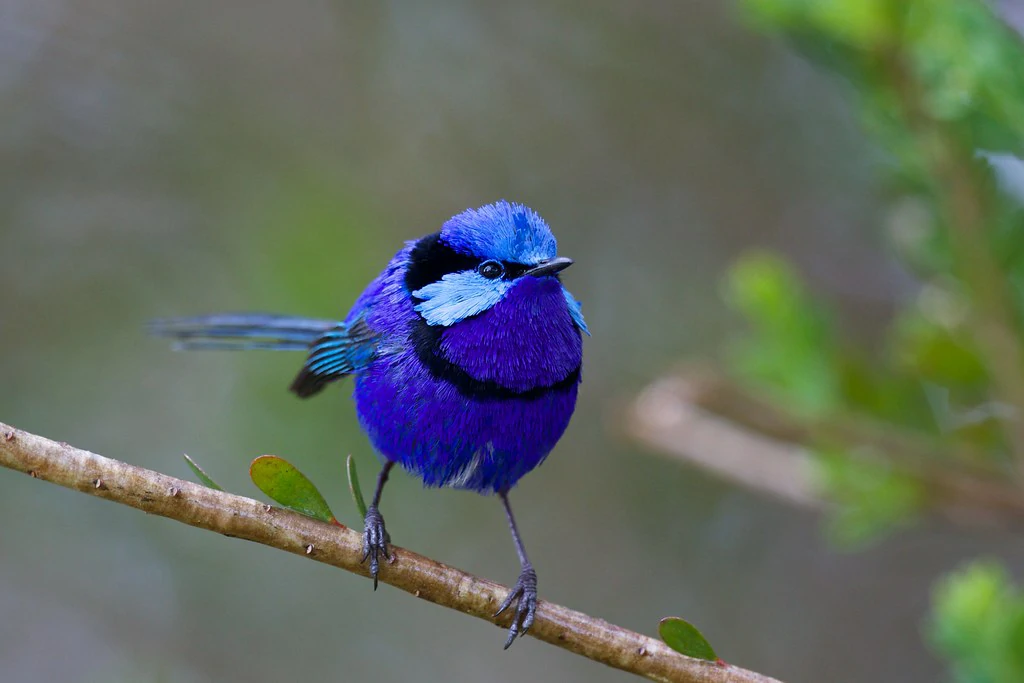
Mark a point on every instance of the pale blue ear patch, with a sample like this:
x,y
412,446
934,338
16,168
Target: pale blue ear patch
x,y
458,296
576,311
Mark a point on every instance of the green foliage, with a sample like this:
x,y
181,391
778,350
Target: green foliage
x,y
289,487
792,350
977,624
925,346
931,380
856,22
961,59
683,637
871,497
936,81
203,476
940,86
968,64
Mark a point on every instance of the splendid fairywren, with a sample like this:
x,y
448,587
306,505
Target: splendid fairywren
x,y
465,352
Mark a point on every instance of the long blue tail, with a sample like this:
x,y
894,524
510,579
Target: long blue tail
x,y
241,331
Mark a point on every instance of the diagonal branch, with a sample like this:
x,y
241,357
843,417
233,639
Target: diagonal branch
x,y
424,578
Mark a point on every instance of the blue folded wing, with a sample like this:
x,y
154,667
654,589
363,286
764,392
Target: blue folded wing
x,y
340,351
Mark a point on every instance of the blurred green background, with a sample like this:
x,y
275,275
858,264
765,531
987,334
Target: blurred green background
x,y
177,158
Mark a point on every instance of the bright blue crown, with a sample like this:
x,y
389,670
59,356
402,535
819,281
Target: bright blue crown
x,y
504,231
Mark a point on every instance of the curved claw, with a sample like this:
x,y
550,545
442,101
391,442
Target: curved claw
x,y
524,595
375,542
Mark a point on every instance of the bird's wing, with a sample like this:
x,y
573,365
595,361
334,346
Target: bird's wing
x,y
340,351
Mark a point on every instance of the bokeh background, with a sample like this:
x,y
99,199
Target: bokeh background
x,y
175,158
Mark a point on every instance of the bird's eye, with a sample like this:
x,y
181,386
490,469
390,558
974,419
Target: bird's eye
x,y
491,270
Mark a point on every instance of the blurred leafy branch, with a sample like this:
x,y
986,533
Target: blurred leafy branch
x,y
978,624
934,419
940,84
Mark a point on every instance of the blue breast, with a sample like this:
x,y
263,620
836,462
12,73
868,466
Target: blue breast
x,y
481,403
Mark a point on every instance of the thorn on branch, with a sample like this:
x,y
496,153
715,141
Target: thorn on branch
x,y
98,483
32,473
267,508
309,549
9,436
173,492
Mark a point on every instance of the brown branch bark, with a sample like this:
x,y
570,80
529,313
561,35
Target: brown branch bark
x,y
704,418
341,547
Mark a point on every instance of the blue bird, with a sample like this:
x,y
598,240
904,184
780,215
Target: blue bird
x,y
466,353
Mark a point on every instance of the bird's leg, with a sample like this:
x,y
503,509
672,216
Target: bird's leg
x,y
375,535
524,593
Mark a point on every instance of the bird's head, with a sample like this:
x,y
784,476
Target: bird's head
x,y
478,258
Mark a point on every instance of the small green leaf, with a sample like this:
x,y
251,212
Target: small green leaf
x,y
792,348
203,476
280,480
353,485
872,497
977,623
683,637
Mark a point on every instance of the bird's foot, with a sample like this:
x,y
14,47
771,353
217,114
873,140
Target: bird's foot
x,y
375,542
524,595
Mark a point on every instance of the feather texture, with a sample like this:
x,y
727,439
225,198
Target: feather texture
x,y
576,311
345,349
458,296
241,331
504,231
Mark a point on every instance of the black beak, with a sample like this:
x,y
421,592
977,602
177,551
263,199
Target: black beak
x,y
550,267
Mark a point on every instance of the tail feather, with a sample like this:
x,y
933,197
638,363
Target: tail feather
x,y
241,331
229,345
